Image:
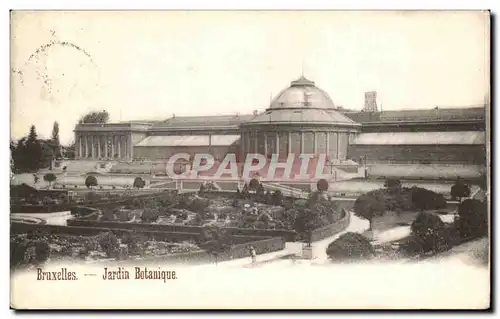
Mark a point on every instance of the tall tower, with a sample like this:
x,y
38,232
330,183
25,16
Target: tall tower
x,y
371,102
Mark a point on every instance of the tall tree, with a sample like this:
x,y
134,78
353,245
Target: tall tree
x,y
33,150
56,145
95,117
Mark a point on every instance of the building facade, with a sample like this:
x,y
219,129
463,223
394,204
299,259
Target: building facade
x,y
301,119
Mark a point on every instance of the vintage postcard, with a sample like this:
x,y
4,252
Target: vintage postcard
x,y
250,160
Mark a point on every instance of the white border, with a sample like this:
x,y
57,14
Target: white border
x,y
185,4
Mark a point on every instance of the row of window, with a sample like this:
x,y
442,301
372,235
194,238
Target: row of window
x,y
333,143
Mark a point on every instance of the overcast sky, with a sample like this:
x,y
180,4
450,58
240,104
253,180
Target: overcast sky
x,y
150,65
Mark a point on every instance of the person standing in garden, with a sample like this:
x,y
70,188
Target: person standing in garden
x,y
253,254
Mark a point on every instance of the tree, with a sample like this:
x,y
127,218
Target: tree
x,y
472,219
430,231
392,184
350,246
95,117
322,185
47,157
33,150
460,189
254,185
368,207
277,198
50,177
139,182
424,199
91,181
55,143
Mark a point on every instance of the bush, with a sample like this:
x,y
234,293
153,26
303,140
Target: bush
x,y
350,246
42,251
367,207
109,244
424,199
472,220
460,190
430,231
49,178
254,184
392,184
277,198
150,215
91,181
322,185
139,182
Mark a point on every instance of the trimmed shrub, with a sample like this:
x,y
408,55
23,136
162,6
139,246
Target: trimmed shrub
x,y
350,246
424,199
472,219
109,244
42,251
139,182
430,231
91,181
460,189
322,185
50,178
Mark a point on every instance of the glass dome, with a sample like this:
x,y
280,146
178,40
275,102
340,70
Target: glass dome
x,y
302,93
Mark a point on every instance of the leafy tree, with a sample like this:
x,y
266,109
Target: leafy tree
x,y
430,231
33,150
393,184
50,177
322,185
350,246
95,117
277,198
55,143
139,182
91,181
460,189
368,207
472,220
424,199
253,185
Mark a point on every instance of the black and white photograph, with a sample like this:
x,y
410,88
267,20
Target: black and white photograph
x,y
287,159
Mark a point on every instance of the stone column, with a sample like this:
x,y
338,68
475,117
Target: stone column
x,y
256,142
86,141
98,146
79,138
112,147
301,142
327,144
315,143
119,137
131,147
278,144
338,145
265,143
289,142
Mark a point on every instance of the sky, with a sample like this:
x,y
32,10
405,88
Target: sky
x,y
149,65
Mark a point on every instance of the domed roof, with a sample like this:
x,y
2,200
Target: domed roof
x,y
302,93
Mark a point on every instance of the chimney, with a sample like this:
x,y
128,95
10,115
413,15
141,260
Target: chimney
x,y
371,102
